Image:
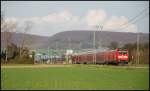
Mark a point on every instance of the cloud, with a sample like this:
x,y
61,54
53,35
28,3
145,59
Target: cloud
x,y
119,24
60,17
65,20
9,24
131,28
115,22
95,17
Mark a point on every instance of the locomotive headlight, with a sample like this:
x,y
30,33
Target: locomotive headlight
x,y
119,56
125,57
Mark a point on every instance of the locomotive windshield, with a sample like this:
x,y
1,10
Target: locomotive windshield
x,y
122,52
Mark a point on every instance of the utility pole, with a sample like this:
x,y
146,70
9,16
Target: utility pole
x,y
94,56
6,55
56,45
80,45
56,48
49,54
137,61
69,43
94,45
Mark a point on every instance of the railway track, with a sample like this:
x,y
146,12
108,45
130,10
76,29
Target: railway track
x,y
61,65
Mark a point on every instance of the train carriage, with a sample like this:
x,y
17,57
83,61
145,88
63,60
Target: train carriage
x,y
117,56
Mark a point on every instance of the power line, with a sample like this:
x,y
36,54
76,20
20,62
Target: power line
x,y
132,20
136,20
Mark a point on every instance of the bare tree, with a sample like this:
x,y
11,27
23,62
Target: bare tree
x,y
24,40
7,27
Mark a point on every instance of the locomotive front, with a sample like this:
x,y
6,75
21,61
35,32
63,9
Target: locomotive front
x,y
122,56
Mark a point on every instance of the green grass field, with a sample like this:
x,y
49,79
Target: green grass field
x,y
75,77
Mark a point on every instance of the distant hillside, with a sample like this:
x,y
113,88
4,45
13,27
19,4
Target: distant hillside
x,y
84,39
34,41
79,39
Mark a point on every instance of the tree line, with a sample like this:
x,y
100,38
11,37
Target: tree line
x,y
143,53
13,56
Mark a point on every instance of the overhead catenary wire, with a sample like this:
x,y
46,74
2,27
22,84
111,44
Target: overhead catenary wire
x,y
139,14
125,27
133,20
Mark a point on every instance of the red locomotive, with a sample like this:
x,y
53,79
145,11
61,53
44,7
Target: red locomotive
x,y
117,56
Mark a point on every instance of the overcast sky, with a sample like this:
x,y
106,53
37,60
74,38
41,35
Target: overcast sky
x,y
50,17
